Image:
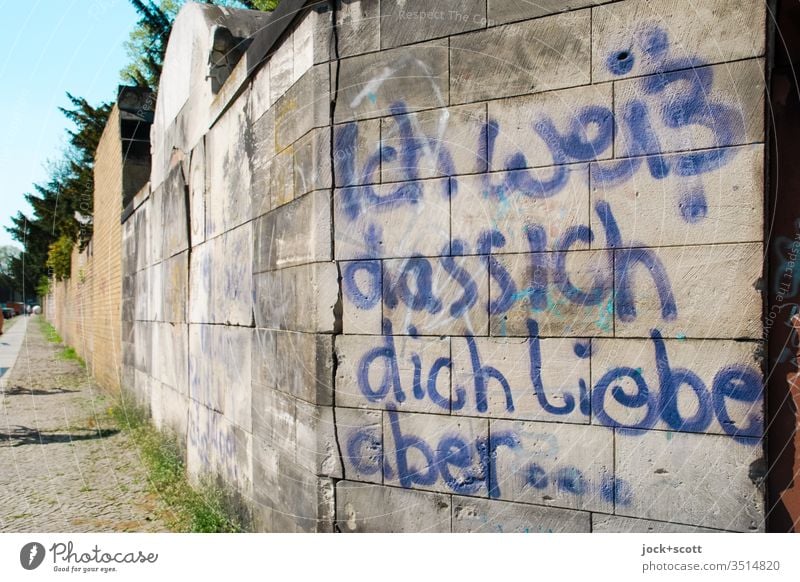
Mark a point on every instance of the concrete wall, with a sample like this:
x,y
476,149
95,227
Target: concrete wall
x,y
488,266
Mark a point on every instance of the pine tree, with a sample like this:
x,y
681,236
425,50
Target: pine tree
x,y
68,190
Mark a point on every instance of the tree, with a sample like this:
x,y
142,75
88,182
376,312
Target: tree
x,y
69,189
50,231
7,253
7,284
59,258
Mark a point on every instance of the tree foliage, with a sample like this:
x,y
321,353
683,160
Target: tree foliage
x,y
59,258
7,255
66,195
67,191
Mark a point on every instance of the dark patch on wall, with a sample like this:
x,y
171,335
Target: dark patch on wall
x,y
136,110
783,302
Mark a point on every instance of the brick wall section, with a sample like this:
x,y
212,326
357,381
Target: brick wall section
x,y
107,257
71,300
487,266
87,306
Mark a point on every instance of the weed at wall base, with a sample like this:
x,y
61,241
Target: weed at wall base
x,y
190,509
69,353
49,331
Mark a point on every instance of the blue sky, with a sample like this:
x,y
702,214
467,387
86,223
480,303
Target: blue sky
x,y
49,47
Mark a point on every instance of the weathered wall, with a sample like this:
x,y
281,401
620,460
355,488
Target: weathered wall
x,y
106,280
86,308
82,307
489,267
68,307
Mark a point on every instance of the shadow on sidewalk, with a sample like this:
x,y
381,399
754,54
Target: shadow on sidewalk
x,y
22,435
20,391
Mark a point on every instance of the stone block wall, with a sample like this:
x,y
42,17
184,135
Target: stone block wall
x,y
477,266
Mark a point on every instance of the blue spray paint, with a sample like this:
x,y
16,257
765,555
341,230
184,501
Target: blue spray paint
x,y
671,380
469,296
481,377
626,259
537,244
433,393
743,384
454,451
365,452
602,284
363,299
737,382
641,398
507,289
391,376
535,356
537,477
410,475
422,297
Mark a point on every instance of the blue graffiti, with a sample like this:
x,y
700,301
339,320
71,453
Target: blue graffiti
x,y
522,180
412,147
734,383
463,278
671,380
488,240
738,382
641,398
481,375
743,384
358,195
371,296
624,397
420,296
625,260
465,467
391,376
537,244
535,359
413,286
602,285
684,101
365,452
390,379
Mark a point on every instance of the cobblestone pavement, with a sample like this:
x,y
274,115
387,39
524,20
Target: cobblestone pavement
x,y
64,466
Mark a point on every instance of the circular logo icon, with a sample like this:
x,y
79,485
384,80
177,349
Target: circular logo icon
x,y
31,555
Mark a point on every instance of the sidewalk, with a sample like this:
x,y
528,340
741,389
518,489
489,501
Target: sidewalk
x,y
65,467
10,344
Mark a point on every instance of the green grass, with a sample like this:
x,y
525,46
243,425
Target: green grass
x,y
50,332
69,353
192,509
